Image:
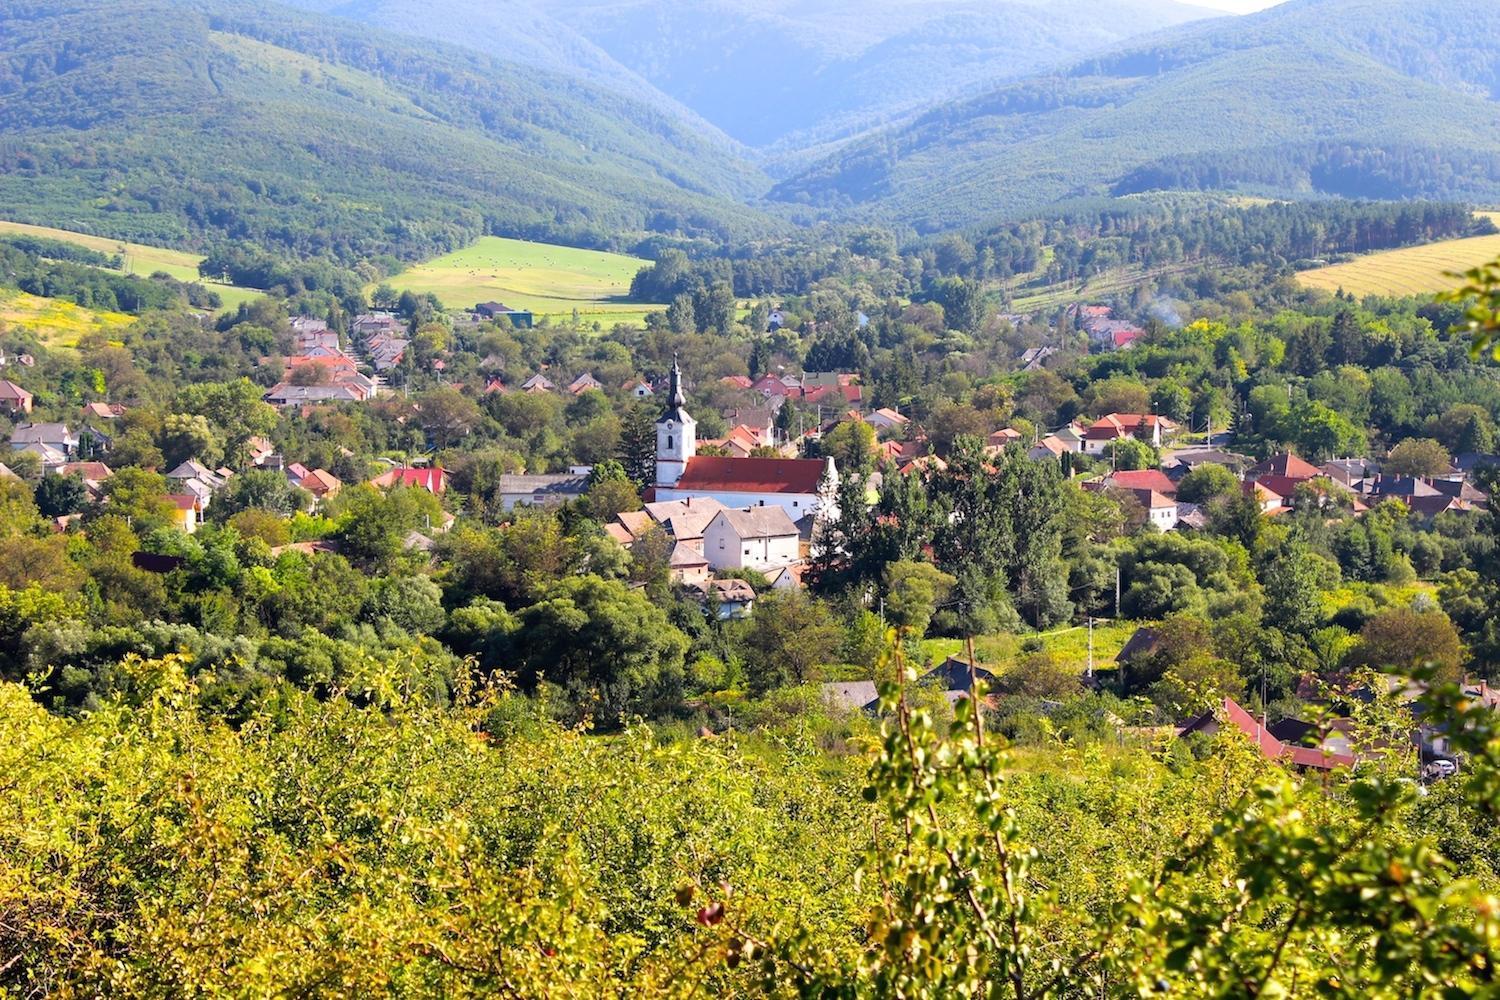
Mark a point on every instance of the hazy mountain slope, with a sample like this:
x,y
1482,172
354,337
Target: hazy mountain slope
x,y
187,120
782,73
521,31
1386,98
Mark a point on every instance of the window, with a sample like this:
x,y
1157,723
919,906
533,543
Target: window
x,y
794,503
669,442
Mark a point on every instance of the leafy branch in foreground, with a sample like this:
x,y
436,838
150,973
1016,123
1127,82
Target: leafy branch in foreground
x,y
1481,292
1296,888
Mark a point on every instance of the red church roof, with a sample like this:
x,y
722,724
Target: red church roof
x,y
711,474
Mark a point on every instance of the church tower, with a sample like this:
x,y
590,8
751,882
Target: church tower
x,y
676,435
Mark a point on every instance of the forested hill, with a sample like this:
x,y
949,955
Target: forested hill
x,y
781,73
183,121
1364,98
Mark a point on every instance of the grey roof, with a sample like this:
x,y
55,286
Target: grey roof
x,y
852,695
40,433
771,521
559,484
311,393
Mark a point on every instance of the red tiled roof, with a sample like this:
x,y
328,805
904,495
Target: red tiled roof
x,y
1282,486
752,475
1145,479
432,480
1286,464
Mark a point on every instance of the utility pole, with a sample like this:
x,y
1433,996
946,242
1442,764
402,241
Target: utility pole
x,y
1117,591
1091,647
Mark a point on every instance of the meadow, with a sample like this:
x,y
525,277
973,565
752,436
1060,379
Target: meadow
x,y
551,281
1422,270
56,322
1069,645
140,259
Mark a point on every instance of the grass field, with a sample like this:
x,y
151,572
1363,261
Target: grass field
x,y
549,280
1411,271
140,259
56,322
1070,645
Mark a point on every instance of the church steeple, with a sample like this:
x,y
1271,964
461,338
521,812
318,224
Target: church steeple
x,y
675,398
676,433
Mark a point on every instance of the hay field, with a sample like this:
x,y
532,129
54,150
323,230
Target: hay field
x,y
549,280
1419,270
140,259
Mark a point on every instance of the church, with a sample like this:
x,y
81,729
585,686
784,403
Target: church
x,y
802,487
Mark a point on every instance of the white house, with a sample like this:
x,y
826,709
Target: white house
x,y
798,486
55,436
761,538
541,490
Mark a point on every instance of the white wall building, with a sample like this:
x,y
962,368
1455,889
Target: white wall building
x,y
761,538
798,486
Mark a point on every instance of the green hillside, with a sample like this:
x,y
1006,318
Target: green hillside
x,y
1368,98
178,122
773,73
138,259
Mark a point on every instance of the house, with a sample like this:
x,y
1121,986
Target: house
x,y
737,381
1179,463
760,538
537,383
852,696
187,510
194,469
955,678
49,456
284,394
369,324
736,598
521,319
1142,643
103,411
886,419
14,399
433,480
1071,437
7,474
54,436
583,384
1347,471
684,520
1228,713
321,484
1148,479
798,486
788,577
689,567
541,490
1268,500
1004,437
1113,427
1033,358
93,475
1050,446
1284,464
1161,511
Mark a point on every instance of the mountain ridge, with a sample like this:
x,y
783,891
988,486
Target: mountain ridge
x,y
1207,106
